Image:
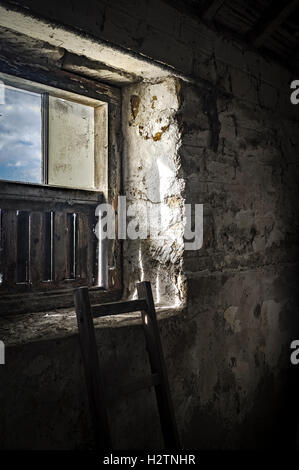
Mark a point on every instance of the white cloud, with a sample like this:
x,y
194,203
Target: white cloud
x,y
18,164
20,136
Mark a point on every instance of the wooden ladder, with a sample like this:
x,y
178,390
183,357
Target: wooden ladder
x,y
94,380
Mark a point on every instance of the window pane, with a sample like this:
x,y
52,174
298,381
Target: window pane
x,y
71,144
20,136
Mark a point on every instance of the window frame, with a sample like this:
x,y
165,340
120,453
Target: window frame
x,y
109,179
45,92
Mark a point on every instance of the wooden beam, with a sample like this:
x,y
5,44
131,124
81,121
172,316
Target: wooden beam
x,y
210,9
17,195
276,13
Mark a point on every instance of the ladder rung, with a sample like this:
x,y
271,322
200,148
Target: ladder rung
x,y
116,308
134,386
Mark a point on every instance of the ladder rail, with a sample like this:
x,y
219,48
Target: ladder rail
x,y
93,376
158,365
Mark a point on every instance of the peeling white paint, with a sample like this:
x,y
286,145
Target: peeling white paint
x,y
152,184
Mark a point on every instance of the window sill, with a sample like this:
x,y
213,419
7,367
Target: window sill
x,y
61,323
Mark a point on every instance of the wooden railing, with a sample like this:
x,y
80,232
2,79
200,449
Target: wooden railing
x,y
47,237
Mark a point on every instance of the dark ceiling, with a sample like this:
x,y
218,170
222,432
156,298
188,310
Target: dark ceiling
x,y
272,27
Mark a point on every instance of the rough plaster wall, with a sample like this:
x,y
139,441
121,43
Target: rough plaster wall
x,y
156,30
239,160
44,400
227,355
152,185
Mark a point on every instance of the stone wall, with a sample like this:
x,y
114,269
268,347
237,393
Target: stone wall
x,y
239,160
229,138
152,184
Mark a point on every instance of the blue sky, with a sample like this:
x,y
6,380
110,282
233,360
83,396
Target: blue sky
x,y
20,136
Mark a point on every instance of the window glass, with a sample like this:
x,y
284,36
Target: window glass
x,y
20,136
71,144
66,157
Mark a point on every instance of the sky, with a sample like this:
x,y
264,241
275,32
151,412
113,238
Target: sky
x,y
20,136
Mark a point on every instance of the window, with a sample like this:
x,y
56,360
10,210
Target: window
x,y
21,136
47,138
53,174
